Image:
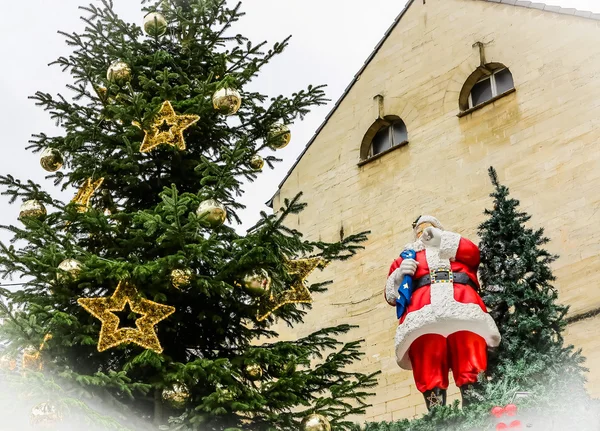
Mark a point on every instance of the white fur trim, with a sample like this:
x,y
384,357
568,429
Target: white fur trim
x,y
443,316
449,245
416,246
391,286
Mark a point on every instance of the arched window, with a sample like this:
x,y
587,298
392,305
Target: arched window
x,y
385,134
487,83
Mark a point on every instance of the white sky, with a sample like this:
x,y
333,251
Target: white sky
x,y
330,43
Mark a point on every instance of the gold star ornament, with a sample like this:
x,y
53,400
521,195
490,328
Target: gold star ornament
x,y
143,334
85,193
299,293
167,128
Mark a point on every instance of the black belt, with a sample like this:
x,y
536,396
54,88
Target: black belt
x,y
444,276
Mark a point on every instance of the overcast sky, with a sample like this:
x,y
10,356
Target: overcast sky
x,y
330,42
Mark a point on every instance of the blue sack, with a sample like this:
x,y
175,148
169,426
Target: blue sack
x,y
406,287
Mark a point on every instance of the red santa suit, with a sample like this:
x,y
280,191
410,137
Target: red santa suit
x,y
446,324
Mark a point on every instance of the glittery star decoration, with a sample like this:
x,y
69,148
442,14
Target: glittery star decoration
x,y
434,400
167,128
85,193
110,334
32,359
299,293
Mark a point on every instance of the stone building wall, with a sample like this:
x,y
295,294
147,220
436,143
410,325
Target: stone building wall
x,y
543,139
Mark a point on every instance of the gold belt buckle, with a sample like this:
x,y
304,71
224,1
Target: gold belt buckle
x,y
442,275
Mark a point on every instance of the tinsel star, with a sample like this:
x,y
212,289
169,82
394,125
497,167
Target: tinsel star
x,y
167,128
110,333
85,193
298,293
434,400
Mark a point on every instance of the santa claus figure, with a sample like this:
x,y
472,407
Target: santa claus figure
x,y
444,323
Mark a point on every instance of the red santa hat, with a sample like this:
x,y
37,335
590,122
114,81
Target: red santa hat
x,y
426,219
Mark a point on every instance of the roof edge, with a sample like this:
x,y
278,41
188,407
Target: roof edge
x,y
519,3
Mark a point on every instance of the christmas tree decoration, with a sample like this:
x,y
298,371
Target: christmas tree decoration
x,y
211,213
44,415
298,293
257,282
257,162
51,160
119,73
32,360
181,277
85,193
166,129
155,24
8,363
177,395
315,422
279,136
282,369
69,268
111,335
227,100
253,372
32,209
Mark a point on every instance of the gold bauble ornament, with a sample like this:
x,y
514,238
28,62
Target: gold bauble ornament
x,y
253,372
279,136
315,422
70,268
44,415
32,209
181,277
119,72
258,282
257,162
227,100
212,213
177,395
51,159
155,24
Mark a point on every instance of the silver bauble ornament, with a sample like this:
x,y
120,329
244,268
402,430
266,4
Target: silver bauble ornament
x,y
155,24
315,422
253,372
279,136
32,209
212,213
69,268
257,282
227,100
44,415
257,162
51,159
119,72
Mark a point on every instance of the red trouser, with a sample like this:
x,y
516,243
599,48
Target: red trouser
x,y
432,356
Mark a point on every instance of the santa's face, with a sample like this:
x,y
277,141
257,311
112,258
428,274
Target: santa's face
x,y
421,228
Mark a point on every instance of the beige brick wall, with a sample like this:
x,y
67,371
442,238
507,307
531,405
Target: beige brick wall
x,y
543,140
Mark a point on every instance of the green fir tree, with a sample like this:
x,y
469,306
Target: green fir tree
x,y
219,356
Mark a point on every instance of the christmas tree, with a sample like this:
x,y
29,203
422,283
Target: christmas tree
x,y
532,360
138,299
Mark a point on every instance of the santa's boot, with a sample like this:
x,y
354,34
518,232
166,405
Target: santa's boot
x,y
434,398
467,395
